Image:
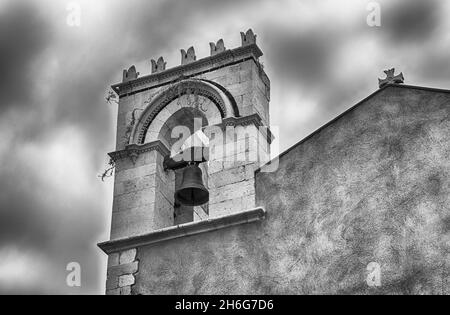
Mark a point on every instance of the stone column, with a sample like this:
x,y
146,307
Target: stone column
x,y
232,170
143,191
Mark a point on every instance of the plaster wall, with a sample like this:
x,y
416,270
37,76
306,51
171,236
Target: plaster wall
x,y
371,186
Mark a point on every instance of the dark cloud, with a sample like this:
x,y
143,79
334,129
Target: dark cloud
x,y
302,57
34,216
410,20
306,61
38,219
436,69
157,27
24,34
21,220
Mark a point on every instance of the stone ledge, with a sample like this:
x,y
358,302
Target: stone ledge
x,y
183,230
254,119
134,150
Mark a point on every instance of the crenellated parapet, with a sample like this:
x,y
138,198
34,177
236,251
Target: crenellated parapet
x,y
217,48
248,38
158,66
130,74
188,56
190,66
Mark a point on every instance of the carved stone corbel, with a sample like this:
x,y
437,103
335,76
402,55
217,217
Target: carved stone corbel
x,y
133,156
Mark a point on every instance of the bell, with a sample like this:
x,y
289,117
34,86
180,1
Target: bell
x,y
192,191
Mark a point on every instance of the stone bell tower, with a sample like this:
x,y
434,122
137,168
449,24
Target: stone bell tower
x,y
219,103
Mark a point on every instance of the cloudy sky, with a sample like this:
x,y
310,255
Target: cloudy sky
x,y
56,128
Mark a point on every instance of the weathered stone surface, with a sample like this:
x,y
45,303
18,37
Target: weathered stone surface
x,y
130,74
158,66
135,172
188,57
143,198
230,206
142,218
126,280
132,222
215,166
125,269
391,78
125,290
248,38
232,191
112,283
128,256
130,186
371,187
230,176
133,200
217,48
113,292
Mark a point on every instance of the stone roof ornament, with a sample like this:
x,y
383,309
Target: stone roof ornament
x,y
188,57
248,38
158,66
391,78
217,48
130,74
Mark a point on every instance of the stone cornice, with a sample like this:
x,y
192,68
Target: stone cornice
x,y
184,230
188,70
133,150
253,119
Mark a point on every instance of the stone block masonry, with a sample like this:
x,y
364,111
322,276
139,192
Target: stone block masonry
x,y
122,268
143,197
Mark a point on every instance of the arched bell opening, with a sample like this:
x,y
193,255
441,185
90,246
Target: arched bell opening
x,y
181,111
190,112
209,97
182,130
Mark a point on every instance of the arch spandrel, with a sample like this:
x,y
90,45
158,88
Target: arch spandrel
x,y
215,103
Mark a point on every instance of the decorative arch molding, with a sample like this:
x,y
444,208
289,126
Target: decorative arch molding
x,y
228,95
200,87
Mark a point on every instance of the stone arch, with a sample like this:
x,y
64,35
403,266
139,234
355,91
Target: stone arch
x,y
163,123
196,87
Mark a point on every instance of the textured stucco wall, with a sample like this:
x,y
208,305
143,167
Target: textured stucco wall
x,y
373,186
